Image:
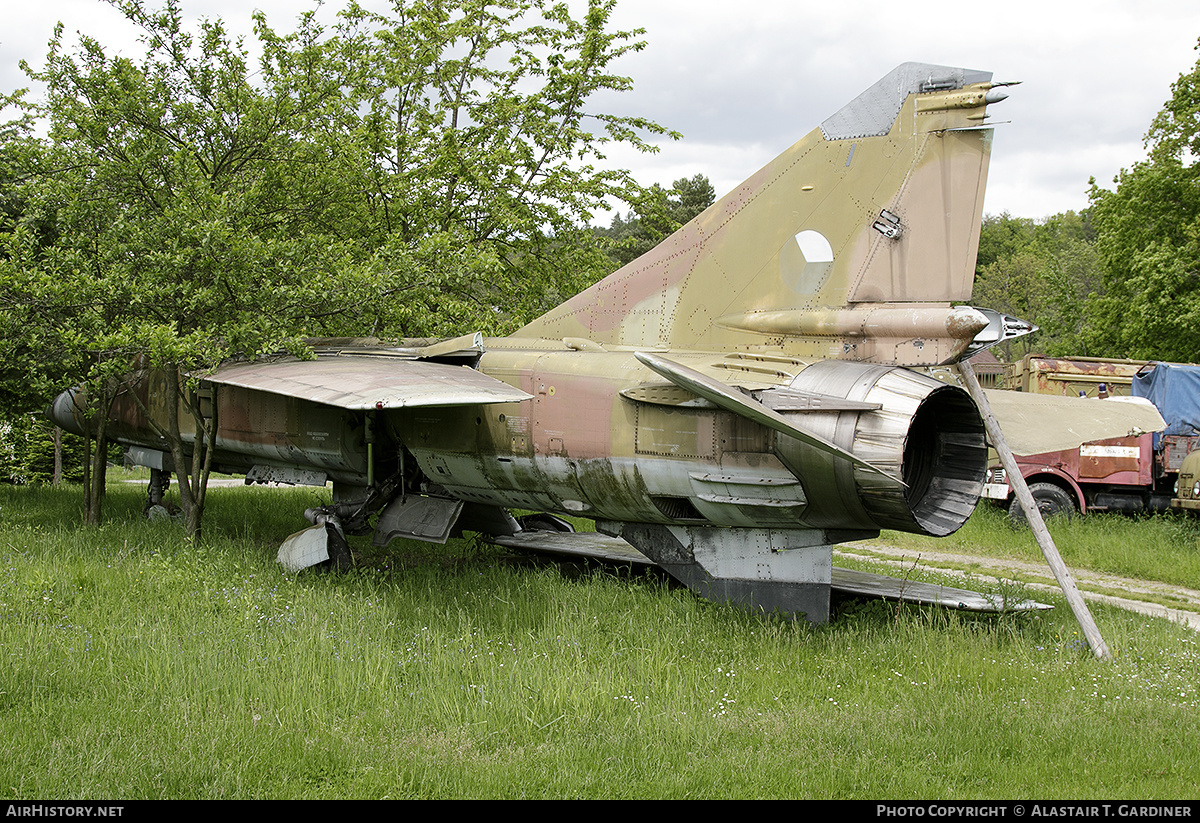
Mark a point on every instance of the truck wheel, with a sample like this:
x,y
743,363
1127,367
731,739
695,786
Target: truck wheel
x,y
1051,500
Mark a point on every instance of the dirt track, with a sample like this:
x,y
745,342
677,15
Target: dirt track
x,y
1106,588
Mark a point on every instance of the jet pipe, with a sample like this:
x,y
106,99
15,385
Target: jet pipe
x,y
927,433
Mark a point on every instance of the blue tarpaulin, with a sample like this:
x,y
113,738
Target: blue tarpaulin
x,y
1175,390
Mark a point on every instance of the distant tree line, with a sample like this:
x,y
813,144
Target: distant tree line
x,y
1121,279
655,216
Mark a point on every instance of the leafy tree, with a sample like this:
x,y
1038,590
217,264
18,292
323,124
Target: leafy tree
x,y
403,173
478,153
1148,232
25,233
1001,236
32,363
1045,271
655,216
170,187
28,450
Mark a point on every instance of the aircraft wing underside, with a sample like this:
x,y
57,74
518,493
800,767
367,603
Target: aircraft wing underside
x,y
364,382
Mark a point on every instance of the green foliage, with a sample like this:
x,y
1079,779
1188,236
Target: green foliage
x,y
1045,271
419,171
30,361
474,153
1149,240
27,451
171,245
655,216
1150,244
20,157
1175,131
168,193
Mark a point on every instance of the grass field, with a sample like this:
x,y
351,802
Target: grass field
x,y
138,665
1150,547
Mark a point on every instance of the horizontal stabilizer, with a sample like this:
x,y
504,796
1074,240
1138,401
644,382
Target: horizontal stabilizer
x,y
362,382
845,581
730,400
781,400
867,584
1037,423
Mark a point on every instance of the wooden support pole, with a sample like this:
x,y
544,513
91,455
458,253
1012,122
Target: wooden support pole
x,y
1034,515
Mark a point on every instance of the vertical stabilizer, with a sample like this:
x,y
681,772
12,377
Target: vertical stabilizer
x,y
851,244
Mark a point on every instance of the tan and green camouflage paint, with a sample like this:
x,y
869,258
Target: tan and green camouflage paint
x,y
751,273
786,271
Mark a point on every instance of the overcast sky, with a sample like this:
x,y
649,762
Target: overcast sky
x,y
744,80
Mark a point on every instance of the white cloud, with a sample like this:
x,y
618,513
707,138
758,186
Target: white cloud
x,y
743,81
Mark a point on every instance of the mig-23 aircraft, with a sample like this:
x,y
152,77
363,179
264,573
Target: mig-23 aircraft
x,y
731,404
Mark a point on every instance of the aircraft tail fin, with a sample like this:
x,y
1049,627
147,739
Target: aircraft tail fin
x,y
851,244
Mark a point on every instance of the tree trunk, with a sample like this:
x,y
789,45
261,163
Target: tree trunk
x,y
96,464
193,481
56,477
96,487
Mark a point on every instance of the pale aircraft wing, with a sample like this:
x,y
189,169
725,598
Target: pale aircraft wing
x,y
1036,423
364,382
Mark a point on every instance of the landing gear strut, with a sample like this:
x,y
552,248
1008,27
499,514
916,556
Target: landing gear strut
x,y
155,508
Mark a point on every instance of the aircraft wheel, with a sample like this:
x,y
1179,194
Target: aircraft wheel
x,y
339,550
1051,500
157,512
161,511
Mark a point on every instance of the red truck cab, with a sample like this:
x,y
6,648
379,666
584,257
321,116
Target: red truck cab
x,y
1127,474
1124,474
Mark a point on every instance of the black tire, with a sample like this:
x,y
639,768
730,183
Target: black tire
x,y
1051,500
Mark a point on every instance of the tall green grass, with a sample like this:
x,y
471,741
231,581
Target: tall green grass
x,y
1164,547
139,665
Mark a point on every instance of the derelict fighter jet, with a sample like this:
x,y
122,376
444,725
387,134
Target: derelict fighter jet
x,y
731,404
